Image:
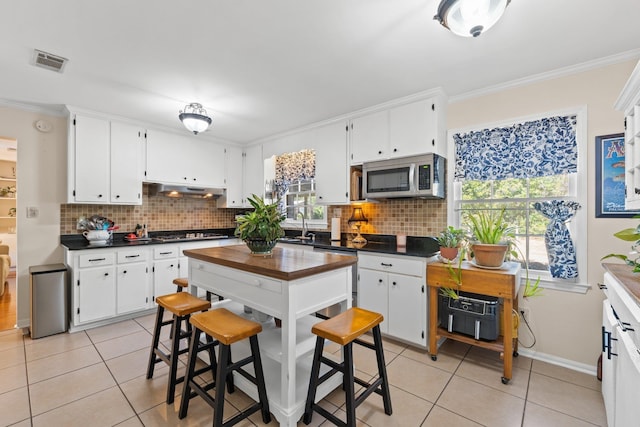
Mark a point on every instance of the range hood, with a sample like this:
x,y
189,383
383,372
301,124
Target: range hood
x,y
177,191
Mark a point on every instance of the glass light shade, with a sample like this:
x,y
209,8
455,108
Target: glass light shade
x,y
358,216
470,18
195,118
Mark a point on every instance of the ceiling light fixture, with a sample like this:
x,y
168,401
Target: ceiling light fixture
x,y
469,18
195,118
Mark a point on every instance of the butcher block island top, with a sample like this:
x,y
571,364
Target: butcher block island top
x,y
283,263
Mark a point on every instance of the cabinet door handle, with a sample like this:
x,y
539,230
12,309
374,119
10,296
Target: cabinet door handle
x,y
132,256
395,150
124,272
379,152
106,274
165,253
602,286
171,266
97,259
117,196
379,280
394,283
99,196
386,265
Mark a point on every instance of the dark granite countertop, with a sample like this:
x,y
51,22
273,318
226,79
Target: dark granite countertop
x,y
377,243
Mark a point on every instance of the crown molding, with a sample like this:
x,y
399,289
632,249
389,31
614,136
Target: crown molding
x,y
560,72
52,109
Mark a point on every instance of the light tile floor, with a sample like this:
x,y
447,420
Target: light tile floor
x,y
97,378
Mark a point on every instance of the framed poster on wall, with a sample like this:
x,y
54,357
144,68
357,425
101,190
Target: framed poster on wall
x,y
610,177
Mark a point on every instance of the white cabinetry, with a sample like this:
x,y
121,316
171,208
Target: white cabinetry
x,y
332,170
409,129
621,355
244,175
181,159
165,269
105,161
132,280
629,103
94,285
395,286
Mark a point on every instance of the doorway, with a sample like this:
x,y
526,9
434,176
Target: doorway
x,y
8,232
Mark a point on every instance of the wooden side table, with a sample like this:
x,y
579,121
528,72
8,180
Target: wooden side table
x,y
502,283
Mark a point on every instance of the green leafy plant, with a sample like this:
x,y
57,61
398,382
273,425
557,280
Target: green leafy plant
x,y
629,235
455,273
451,237
264,222
491,227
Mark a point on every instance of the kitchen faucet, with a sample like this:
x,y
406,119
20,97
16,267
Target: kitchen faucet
x,y
304,227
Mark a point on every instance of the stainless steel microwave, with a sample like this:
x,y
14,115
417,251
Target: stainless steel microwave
x,y
418,176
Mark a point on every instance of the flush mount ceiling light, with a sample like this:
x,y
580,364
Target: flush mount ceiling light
x,y
469,18
195,118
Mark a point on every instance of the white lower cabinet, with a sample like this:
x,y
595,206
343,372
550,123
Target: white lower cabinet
x,y
395,286
132,279
165,269
621,355
96,294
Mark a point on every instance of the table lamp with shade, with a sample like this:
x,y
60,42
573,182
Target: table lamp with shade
x,y
357,218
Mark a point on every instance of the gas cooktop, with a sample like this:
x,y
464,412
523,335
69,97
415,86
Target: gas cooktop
x,y
180,237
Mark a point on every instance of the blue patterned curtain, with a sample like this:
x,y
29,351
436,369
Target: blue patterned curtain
x,y
293,167
560,248
526,150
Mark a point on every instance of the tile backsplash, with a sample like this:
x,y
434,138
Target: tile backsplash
x,y
413,217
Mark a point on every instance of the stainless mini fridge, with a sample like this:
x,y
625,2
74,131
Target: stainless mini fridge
x,y
49,299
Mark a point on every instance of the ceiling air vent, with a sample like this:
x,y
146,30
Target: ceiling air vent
x,y
49,61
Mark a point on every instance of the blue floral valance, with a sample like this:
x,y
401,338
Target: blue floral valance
x,y
526,150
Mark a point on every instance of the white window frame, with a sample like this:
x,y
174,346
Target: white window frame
x,y
312,224
577,187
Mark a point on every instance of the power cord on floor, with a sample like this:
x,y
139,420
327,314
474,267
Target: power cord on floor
x,y
526,322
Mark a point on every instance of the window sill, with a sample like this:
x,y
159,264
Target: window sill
x,y
558,285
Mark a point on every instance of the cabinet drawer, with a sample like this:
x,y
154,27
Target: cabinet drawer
x,y
400,265
94,260
163,251
125,257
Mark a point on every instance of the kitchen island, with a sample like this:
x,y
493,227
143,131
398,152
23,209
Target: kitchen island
x,y
290,285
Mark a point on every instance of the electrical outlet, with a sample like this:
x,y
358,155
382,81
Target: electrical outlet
x,y
524,312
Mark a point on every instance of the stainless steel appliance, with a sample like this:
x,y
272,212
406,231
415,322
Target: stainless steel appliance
x,y
337,308
49,300
181,237
179,191
417,176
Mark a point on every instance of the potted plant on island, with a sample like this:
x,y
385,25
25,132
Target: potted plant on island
x,y
261,228
450,240
492,238
629,235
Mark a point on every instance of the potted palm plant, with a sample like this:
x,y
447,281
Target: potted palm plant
x,y
492,237
450,240
261,228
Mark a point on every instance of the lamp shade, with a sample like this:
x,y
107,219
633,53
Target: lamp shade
x,y
470,18
195,118
358,216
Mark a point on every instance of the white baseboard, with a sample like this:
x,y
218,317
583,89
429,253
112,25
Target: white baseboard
x,y
555,360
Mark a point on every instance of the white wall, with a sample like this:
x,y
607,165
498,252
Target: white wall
x,y
41,174
566,325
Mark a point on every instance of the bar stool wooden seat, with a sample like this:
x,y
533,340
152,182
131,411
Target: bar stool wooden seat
x,y
345,329
226,328
181,305
183,283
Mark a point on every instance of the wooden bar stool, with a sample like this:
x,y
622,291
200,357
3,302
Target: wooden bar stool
x,y
183,283
226,328
182,305
345,329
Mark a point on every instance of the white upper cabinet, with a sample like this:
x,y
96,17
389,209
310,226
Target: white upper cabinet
x,y
332,168
244,176
186,160
369,137
414,128
105,161
253,172
127,150
629,104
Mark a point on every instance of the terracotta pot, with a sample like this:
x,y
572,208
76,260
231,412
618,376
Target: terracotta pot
x,y
448,253
489,255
